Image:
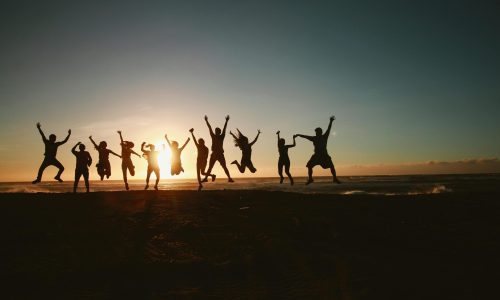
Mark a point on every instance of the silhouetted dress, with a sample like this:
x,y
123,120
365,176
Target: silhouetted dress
x,y
175,161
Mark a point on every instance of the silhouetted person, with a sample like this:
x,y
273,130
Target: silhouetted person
x,y
284,160
320,156
50,154
217,149
103,166
241,141
152,157
175,156
126,158
201,160
83,162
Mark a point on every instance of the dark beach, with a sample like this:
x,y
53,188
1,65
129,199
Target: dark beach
x,y
250,245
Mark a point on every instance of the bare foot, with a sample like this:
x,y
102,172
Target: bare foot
x,y
58,179
147,186
35,181
230,180
213,177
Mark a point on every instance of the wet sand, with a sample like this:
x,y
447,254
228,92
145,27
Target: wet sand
x,y
249,245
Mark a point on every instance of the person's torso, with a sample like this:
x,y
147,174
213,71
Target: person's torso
x,y
175,155
82,160
202,153
319,143
153,158
50,149
283,151
103,154
126,152
246,152
217,144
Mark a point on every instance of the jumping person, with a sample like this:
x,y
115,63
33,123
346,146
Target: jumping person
x,y
152,157
103,166
83,162
217,149
175,156
241,141
126,158
320,156
50,154
284,160
201,160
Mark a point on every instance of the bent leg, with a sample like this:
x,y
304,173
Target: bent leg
x,y
42,168
222,161
210,167
58,165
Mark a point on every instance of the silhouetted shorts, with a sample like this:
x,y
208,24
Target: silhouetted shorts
x,y
81,172
217,157
325,161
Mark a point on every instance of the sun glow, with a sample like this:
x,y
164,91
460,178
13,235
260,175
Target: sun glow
x,y
163,159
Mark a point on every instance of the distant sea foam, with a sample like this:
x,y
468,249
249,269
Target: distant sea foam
x,y
355,185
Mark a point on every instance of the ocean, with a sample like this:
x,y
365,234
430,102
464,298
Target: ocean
x,y
354,185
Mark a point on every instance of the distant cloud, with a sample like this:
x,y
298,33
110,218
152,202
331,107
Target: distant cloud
x,y
473,165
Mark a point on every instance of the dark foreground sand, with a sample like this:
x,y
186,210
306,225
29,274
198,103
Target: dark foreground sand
x,y
249,245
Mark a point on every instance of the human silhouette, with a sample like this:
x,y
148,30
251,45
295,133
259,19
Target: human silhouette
x,y
126,158
83,162
50,154
103,166
284,160
320,156
217,149
201,160
241,141
152,157
175,156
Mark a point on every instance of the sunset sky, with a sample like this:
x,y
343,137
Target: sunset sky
x,y
415,85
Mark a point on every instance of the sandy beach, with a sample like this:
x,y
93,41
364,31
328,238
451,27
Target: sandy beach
x,y
249,245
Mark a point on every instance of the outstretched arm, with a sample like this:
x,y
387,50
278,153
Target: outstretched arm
x,y
66,139
255,140
327,133
95,145
166,137
209,126
112,152
307,137
225,125
183,146
121,138
132,151
194,138
39,126
231,133
73,150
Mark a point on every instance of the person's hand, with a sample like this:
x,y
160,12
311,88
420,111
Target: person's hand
x,y
332,118
38,125
295,135
90,137
278,132
69,131
227,118
206,118
143,143
166,137
119,132
258,131
78,143
230,132
191,130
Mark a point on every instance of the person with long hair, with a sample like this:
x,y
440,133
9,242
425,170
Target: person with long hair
x,y
284,159
103,166
241,141
175,156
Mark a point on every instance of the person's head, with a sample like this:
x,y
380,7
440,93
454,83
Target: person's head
x,y
52,138
281,142
152,147
103,144
129,144
319,131
81,147
218,131
175,144
240,140
201,141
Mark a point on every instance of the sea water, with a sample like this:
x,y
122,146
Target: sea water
x,y
355,185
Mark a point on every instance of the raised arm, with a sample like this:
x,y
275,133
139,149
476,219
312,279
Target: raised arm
x,y
168,141
194,138
294,143
231,133
225,125
255,140
307,137
142,147
327,133
121,138
73,150
66,139
39,126
209,126
183,146
95,145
